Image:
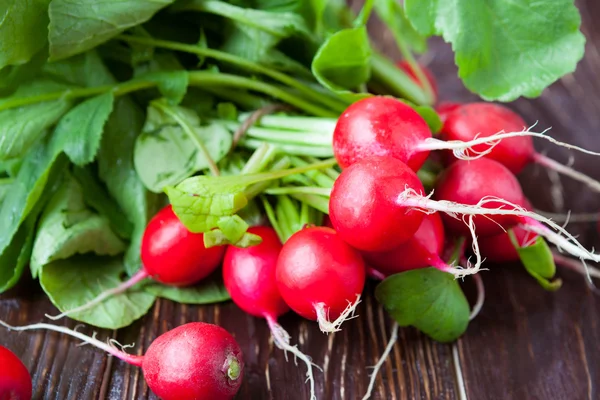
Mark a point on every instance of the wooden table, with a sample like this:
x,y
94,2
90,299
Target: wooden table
x,y
525,344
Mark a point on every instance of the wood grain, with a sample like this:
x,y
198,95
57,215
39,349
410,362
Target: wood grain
x,y
525,344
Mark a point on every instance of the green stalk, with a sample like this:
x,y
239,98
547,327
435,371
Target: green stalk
x,y
338,105
283,136
364,14
242,98
299,189
294,123
320,178
293,149
259,159
397,81
273,220
319,202
427,178
189,130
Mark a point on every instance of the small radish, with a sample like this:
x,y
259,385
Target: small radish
x,y
406,67
384,126
383,194
445,109
15,381
422,250
481,120
170,254
500,249
193,361
320,276
249,276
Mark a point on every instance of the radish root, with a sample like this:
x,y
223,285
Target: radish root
x,y
327,326
138,277
566,170
480,297
110,348
282,340
377,367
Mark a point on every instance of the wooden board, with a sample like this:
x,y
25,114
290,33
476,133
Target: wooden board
x,y
526,343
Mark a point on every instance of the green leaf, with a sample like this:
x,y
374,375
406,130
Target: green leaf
x,y
79,25
22,127
13,76
539,262
210,290
22,30
172,84
75,281
344,60
82,70
83,127
428,299
165,155
504,48
95,196
14,259
231,230
67,227
392,14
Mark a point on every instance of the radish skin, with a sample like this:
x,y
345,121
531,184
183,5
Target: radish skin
x,y
193,361
15,381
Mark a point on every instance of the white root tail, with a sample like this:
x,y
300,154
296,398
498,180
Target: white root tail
x,y
282,340
566,170
109,347
377,367
327,326
480,297
464,150
531,221
138,277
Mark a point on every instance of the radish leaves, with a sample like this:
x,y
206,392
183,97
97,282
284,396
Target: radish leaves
x,y
539,262
429,300
210,290
505,49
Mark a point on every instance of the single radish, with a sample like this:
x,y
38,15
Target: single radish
x,y
481,120
384,126
15,381
170,254
193,361
446,108
410,71
383,194
320,276
249,276
422,250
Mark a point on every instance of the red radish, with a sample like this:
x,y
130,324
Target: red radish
x,y
363,205
249,276
406,67
499,248
320,276
420,251
170,254
193,361
15,381
485,120
382,194
446,108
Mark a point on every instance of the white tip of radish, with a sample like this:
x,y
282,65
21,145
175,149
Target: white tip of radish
x,y
327,326
384,356
480,297
282,340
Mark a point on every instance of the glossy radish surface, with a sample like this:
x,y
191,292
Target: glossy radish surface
x,y
499,248
249,275
446,108
15,381
380,126
363,206
316,267
406,67
468,182
420,251
194,361
486,119
172,255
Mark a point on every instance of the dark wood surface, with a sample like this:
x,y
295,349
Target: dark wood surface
x,y
525,344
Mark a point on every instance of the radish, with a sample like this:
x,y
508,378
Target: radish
x,y
384,126
410,71
193,361
249,276
481,120
170,254
15,381
422,250
320,276
382,194
445,109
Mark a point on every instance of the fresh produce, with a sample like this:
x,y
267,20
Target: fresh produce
x,y
249,276
15,381
320,276
193,361
145,145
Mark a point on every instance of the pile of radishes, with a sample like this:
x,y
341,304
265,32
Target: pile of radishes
x,y
381,222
